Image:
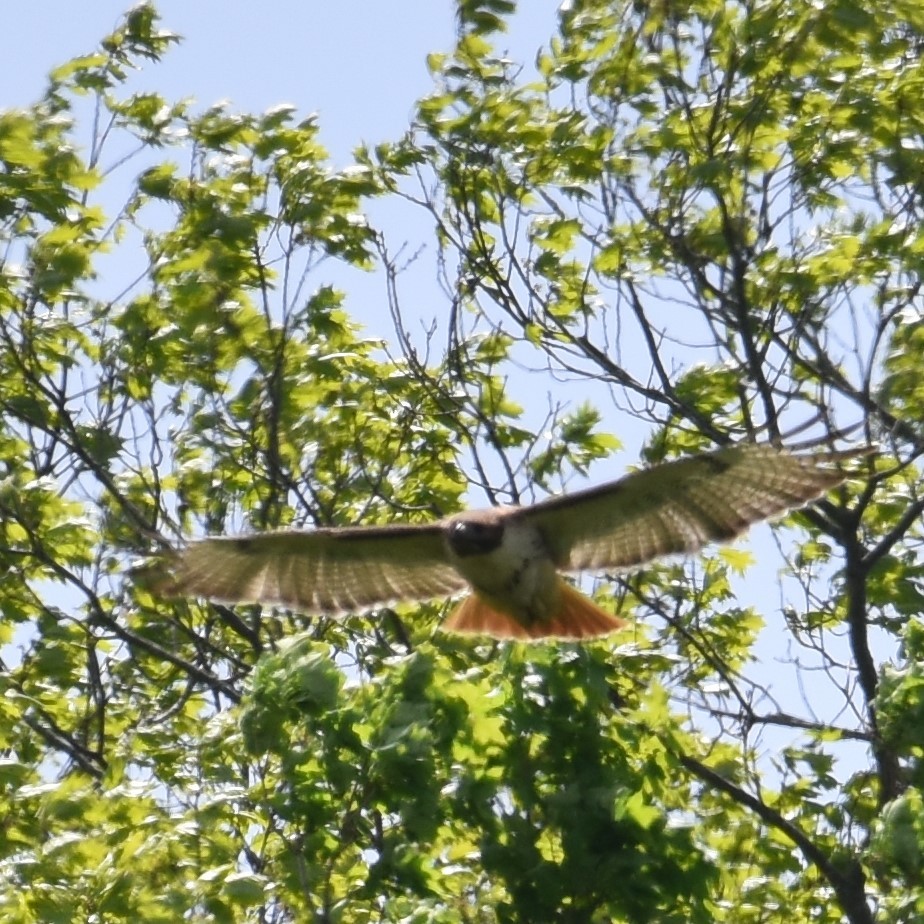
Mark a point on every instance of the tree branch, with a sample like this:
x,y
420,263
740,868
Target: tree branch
x,y
846,877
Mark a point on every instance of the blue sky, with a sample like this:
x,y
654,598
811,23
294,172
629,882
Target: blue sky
x,y
360,64
324,57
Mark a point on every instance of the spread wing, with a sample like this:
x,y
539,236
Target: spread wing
x,y
317,571
681,506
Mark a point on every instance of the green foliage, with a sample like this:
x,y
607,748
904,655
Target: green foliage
x,y
525,796
706,215
897,847
578,444
900,700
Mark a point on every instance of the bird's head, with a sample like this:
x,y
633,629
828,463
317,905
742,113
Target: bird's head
x,y
475,533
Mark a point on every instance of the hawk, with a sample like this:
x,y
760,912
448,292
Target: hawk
x,y
511,559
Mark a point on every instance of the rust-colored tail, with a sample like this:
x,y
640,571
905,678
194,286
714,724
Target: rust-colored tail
x,y
577,617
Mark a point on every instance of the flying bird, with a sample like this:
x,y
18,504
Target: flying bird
x,y
511,559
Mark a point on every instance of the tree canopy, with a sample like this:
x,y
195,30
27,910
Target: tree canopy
x,y
702,219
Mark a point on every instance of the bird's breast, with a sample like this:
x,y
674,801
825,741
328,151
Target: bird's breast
x,y
517,576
